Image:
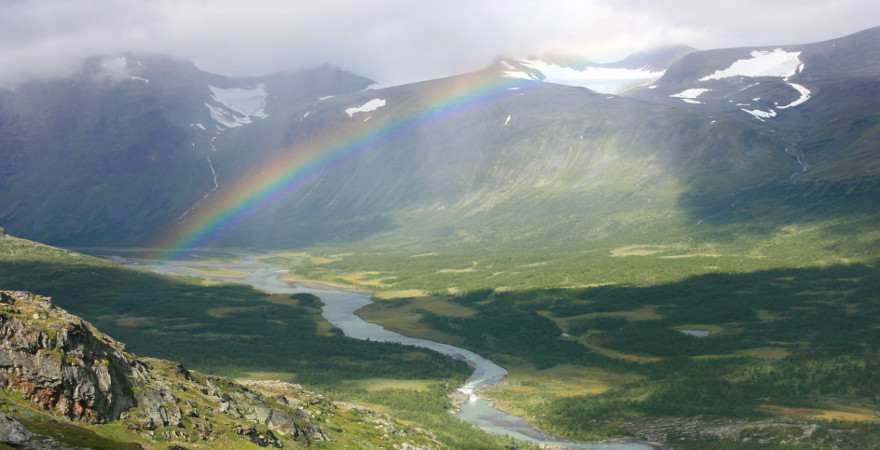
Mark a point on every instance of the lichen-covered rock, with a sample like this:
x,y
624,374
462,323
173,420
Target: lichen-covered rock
x,y
12,432
159,408
60,362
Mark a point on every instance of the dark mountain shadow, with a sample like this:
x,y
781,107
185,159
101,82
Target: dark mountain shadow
x,y
763,209
826,311
230,329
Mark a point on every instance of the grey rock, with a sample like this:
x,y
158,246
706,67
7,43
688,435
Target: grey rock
x,y
62,364
12,431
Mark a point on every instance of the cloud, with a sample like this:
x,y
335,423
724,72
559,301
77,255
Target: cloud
x,y
394,41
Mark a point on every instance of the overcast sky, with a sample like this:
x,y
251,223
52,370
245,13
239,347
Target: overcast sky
x,y
396,41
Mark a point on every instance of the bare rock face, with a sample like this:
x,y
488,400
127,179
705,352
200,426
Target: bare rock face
x,y
60,362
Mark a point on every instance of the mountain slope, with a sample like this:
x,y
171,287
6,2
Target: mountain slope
x,y
55,362
485,146
126,145
821,95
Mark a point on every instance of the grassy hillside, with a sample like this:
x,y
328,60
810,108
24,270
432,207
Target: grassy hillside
x,y
239,332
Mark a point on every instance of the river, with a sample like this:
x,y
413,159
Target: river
x,y
339,309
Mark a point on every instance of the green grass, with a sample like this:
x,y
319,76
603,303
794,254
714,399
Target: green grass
x,y
226,329
236,331
824,327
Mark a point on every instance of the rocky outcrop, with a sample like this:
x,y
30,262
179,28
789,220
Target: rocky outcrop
x,y
60,362
63,364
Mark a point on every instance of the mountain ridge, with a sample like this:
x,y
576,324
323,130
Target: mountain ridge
x,y
139,163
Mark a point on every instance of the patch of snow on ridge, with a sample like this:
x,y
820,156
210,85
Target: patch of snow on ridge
x,y
805,95
249,102
689,95
236,106
369,106
759,114
606,80
776,63
227,118
507,120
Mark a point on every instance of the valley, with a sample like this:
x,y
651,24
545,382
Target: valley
x,y
338,309
677,249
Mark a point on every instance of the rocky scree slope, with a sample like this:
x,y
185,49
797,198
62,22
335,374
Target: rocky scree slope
x,y
53,361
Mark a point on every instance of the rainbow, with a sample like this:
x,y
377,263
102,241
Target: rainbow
x,y
304,162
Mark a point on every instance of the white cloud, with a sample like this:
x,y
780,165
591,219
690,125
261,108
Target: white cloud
x,y
395,41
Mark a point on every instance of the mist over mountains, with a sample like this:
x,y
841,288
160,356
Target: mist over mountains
x,y
133,145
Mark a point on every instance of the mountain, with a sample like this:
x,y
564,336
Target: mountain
x,y
135,146
125,145
822,95
71,386
532,140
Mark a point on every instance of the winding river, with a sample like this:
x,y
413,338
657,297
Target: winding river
x,y
339,309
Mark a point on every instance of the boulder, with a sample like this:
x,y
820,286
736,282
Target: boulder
x,y
12,432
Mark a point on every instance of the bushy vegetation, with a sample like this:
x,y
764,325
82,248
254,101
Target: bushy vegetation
x,y
234,330
803,338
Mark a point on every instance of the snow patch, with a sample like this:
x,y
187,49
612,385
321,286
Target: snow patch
x,y
249,102
307,114
507,120
759,114
776,63
326,97
369,106
137,78
689,95
237,106
805,95
227,118
606,80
